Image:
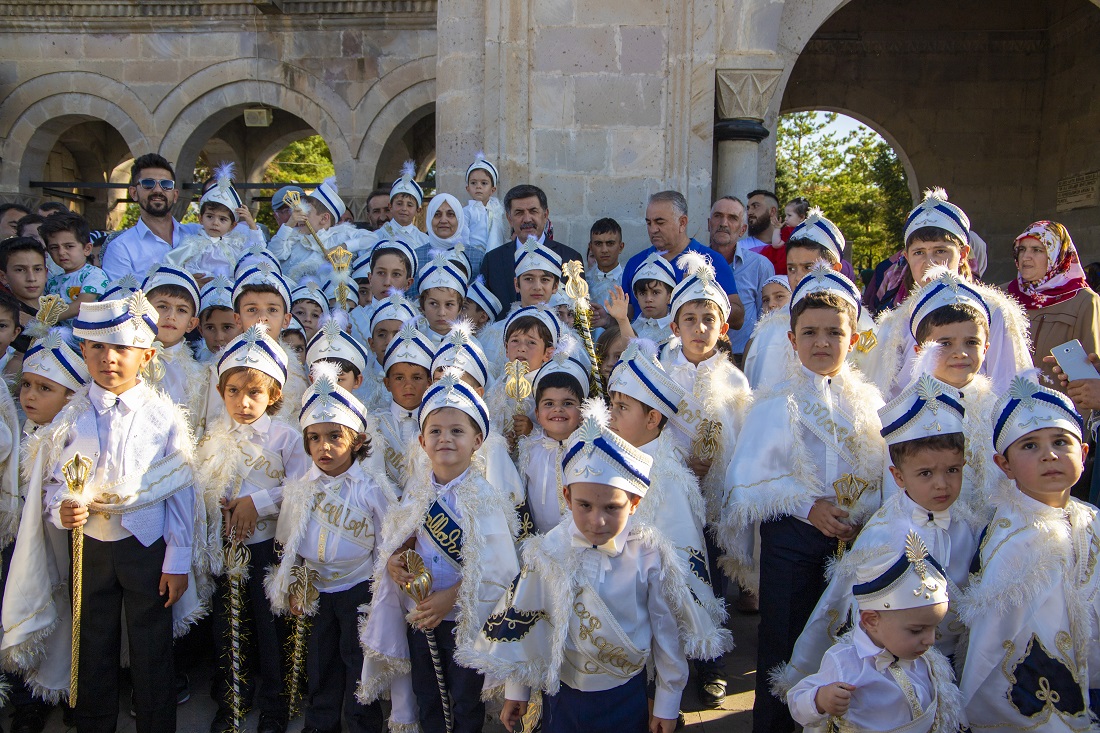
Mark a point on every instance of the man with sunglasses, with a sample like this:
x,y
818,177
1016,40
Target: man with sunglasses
x,y
144,245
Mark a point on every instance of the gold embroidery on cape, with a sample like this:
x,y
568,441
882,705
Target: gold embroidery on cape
x,y
608,653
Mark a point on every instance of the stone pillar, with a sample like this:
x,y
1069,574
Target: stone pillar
x,y
743,97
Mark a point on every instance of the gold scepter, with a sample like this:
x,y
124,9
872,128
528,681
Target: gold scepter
x,y
516,385
706,443
339,257
304,588
237,558
577,289
76,472
419,588
848,489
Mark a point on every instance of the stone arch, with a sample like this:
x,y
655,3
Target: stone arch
x,y
903,157
263,157
398,101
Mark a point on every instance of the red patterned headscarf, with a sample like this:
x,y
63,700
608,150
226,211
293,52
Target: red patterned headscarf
x,y
1064,276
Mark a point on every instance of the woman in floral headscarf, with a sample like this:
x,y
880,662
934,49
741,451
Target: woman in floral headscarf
x,y
1051,287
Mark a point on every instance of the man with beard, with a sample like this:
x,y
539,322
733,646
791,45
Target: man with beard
x,y
666,222
528,213
727,225
378,209
143,246
762,216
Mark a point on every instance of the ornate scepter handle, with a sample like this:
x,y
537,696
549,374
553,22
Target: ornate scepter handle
x,y
848,489
339,257
577,288
237,557
304,588
419,588
76,472
516,386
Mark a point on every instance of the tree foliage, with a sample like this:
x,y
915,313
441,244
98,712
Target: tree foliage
x,y
855,178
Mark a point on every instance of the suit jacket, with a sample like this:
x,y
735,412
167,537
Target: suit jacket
x,y
499,269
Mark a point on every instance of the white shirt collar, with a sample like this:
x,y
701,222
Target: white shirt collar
x,y
541,240
450,485
680,360
260,425
867,649
822,382
355,471
612,548
144,231
400,413
596,273
921,516
102,400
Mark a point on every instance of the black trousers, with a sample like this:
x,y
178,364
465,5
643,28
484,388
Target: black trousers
x,y
335,663
463,684
118,575
793,555
710,669
267,636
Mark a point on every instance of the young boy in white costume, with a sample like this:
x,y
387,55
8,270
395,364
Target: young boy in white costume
x,y
485,213
1033,604
385,322
937,233
596,581
390,268
406,198
216,322
243,463
299,252
481,307
329,526
174,370
530,335
462,530
442,288
886,674
815,241
808,469
144,528
216,250
924,430
408,367
950,321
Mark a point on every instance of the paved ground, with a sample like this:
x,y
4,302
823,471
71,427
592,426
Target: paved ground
x,y
734,717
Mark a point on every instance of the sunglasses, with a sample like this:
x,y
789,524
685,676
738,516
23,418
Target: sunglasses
x,y
166,184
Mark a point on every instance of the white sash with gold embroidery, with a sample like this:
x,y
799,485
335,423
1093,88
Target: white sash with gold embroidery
x,y
598,654
339,520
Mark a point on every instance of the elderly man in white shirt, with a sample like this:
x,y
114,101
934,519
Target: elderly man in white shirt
x,y
143,246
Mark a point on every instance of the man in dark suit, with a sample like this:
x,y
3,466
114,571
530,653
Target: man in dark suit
x,y
527,211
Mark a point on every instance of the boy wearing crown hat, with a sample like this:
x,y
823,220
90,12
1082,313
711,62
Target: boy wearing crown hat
x,y
216,320
808,468
484,213
52,373
652,286
391,267
462,530
936,235
175,370
244,460
313,229
481,307
219,245
442,289
144,526
1033,604
406,198
886,674
596,581
329,526
644,399
309,304
924,430
407,364
814,243
385,321
530,335
558,388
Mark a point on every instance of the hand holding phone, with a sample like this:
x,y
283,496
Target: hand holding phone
x,y
1074,362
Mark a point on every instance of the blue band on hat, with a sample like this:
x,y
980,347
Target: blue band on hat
x,y
820,224
419,340
266,349
472,352
836,278
542,251
59,356
431,270
891,576
611,450
466,392
332,207
915,409
339,398
90,326
1010,407
654,389
946,211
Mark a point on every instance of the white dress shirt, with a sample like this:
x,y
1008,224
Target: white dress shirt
x,y
137,250
340,562
542,476
830,466
114,416
279,437
406,423
878,702
600,283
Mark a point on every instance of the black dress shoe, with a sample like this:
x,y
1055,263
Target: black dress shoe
x,y
222,723
29,718
270,723
712,692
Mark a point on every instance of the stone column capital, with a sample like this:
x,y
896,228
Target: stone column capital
x,y
745,93
739,129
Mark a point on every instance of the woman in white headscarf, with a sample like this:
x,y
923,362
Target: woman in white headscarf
x,y
446,224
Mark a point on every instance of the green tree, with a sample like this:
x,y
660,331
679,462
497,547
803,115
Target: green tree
x,y
306,161
855,178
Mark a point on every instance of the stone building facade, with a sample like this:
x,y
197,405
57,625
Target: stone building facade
x,y
600,102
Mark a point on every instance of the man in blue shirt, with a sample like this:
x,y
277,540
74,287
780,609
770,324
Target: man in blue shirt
x,y
666,222
751,270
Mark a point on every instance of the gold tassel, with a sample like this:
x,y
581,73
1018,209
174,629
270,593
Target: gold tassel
x,y
304,589
237,558
577,289
76,472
